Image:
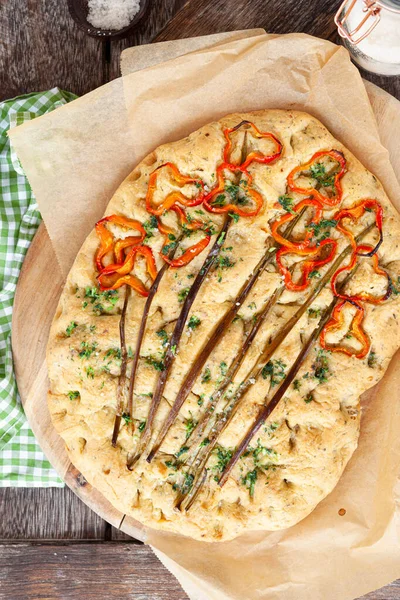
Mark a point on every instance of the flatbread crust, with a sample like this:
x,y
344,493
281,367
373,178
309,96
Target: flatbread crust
x,y
305,444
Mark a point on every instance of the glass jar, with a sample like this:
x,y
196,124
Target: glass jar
x,y
371,32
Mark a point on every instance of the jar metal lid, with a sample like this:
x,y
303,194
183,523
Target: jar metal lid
x,y
372,10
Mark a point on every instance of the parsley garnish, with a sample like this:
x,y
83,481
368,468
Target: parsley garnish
x,y
87,350
127,418
287,203
182,294
73,395
275,369
73,325
249,480
321,367
372,359
206,376
194,322
158,365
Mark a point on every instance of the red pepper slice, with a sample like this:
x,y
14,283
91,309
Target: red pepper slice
x,y
220,189
175,196
129,263
362,297
123,243
114,281
336,199
106,238
253,156
336,322
188,254
307,266
303,246
355,212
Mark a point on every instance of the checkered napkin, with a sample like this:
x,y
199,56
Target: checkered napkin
x,y
22,463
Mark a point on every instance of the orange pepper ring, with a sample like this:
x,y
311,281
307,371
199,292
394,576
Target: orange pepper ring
x,y
175,196
362,297
355,212
220,189
336,322
304,244
336,155
253,156
306,267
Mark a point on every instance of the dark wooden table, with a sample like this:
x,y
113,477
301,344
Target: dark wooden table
x,y
51,545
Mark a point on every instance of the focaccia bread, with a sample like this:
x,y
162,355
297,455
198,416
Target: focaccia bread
x,y
276,261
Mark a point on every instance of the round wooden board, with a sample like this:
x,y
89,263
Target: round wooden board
x,y
33,313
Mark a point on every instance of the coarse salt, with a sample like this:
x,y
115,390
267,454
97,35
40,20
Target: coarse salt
x,y
112,14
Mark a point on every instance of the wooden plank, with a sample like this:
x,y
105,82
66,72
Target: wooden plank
x,y
47,514
90,571
41,47
159,14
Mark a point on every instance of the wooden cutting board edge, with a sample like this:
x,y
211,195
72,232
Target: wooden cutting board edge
x,y
38,290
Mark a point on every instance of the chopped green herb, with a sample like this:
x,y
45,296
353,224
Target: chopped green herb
x,y
314,313
182,451
148,226
206,376
89,372
173,349
194,322
319,173
168,247
102,301
275,369
200,401
219,200
182,294
252,306
223,368
158,365
249,480
92,328
127,418
224,456
113,353
287,203
221,238
224,262
190,276
314,275
73,395
87,350
190,424
297,384
372,359
321,367
71,327
205,442
164,337
323,226
234,216
309,398
142,425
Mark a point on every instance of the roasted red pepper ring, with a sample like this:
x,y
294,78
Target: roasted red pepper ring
x,y
307,266
253,156
336,322
188,254
175,196
129,263
354,213
220,189
336,199
378,270
106,238
303,246
115,281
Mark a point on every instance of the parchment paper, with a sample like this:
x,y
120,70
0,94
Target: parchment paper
x,y
75,158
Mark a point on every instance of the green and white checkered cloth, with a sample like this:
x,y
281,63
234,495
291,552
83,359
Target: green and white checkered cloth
x,y
22,463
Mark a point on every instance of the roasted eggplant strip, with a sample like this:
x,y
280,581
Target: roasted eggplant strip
x,y
177,334
224,418
122,376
